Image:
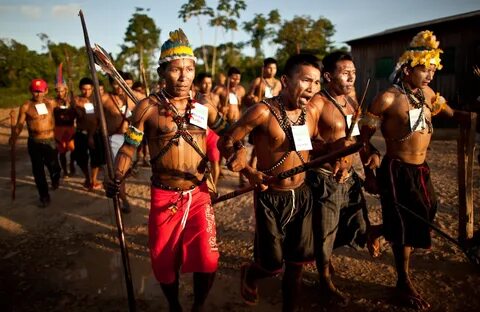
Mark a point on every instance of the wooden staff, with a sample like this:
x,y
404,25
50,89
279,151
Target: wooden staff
x,y
13,172
144,76
358,112
260,93
110,169
69,78
296,170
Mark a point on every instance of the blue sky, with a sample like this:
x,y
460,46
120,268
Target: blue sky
x,y
107,20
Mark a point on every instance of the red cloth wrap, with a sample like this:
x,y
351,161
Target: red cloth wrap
x,y
193,248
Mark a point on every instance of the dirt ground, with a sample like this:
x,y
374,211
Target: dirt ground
x,y
66,257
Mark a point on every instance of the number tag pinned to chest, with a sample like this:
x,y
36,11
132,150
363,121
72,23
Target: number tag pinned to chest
x,y
301,138
417,119
199,116
356,130
268,92
232,98
41,109
89,109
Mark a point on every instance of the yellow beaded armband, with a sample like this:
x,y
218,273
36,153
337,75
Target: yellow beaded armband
x,y
370,120
438,105
133,136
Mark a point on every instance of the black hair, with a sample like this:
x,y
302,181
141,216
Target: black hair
x,y
85,81
330,60
233,71
137,84
268,61
202,76
126,76
297,60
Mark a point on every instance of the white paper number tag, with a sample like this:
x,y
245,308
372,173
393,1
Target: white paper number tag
x,y
129,113
41,109
268,92
199,116
355,131
89,109
414,114
232,98
301,137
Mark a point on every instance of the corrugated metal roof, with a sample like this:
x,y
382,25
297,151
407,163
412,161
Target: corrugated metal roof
x,y
418,25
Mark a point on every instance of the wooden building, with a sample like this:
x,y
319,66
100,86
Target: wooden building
x,y
459,35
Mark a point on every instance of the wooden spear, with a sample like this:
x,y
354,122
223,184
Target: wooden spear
x,y
13,172
358,112
296,170
110,169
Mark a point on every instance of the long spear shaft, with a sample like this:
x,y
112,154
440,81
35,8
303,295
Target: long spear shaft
x,y
110,169
296,170
358,112
13,171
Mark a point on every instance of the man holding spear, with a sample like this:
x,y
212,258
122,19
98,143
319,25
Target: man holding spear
x,y
339,214
404,113
182,231
38,113
282,128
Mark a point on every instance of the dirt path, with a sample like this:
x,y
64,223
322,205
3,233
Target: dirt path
x,y
65,257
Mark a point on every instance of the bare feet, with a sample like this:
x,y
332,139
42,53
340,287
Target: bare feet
x,y
332,293
409,296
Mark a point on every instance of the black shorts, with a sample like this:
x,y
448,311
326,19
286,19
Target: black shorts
x,y
97,155
283,228
82,151
411,186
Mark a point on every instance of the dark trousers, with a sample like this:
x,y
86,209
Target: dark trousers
x,y
44,153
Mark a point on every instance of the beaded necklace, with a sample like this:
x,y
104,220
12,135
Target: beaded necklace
x,y
171,110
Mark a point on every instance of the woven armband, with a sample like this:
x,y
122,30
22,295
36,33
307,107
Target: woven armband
x,y
370,120
133,136
438,105
220,125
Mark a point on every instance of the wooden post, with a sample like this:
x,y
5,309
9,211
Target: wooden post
x,y
465,154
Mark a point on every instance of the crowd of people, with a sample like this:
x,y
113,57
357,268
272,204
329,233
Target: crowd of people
x,y
189,126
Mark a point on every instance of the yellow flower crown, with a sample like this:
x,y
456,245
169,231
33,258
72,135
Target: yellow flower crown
x,y
423,50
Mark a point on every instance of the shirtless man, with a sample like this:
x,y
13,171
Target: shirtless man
x,y
231,96
38,113
404,114
283,231
88,143
118,109
265,86
64,115
204,94
181,222
340,214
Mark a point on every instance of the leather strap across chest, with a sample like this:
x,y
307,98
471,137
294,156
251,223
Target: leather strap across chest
x,y
181,132
287,129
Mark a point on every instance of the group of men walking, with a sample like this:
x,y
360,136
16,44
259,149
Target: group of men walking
x,y
305,114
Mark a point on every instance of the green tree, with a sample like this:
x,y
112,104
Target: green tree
x,y
197,8
141,41
260,28
303,34
226,15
